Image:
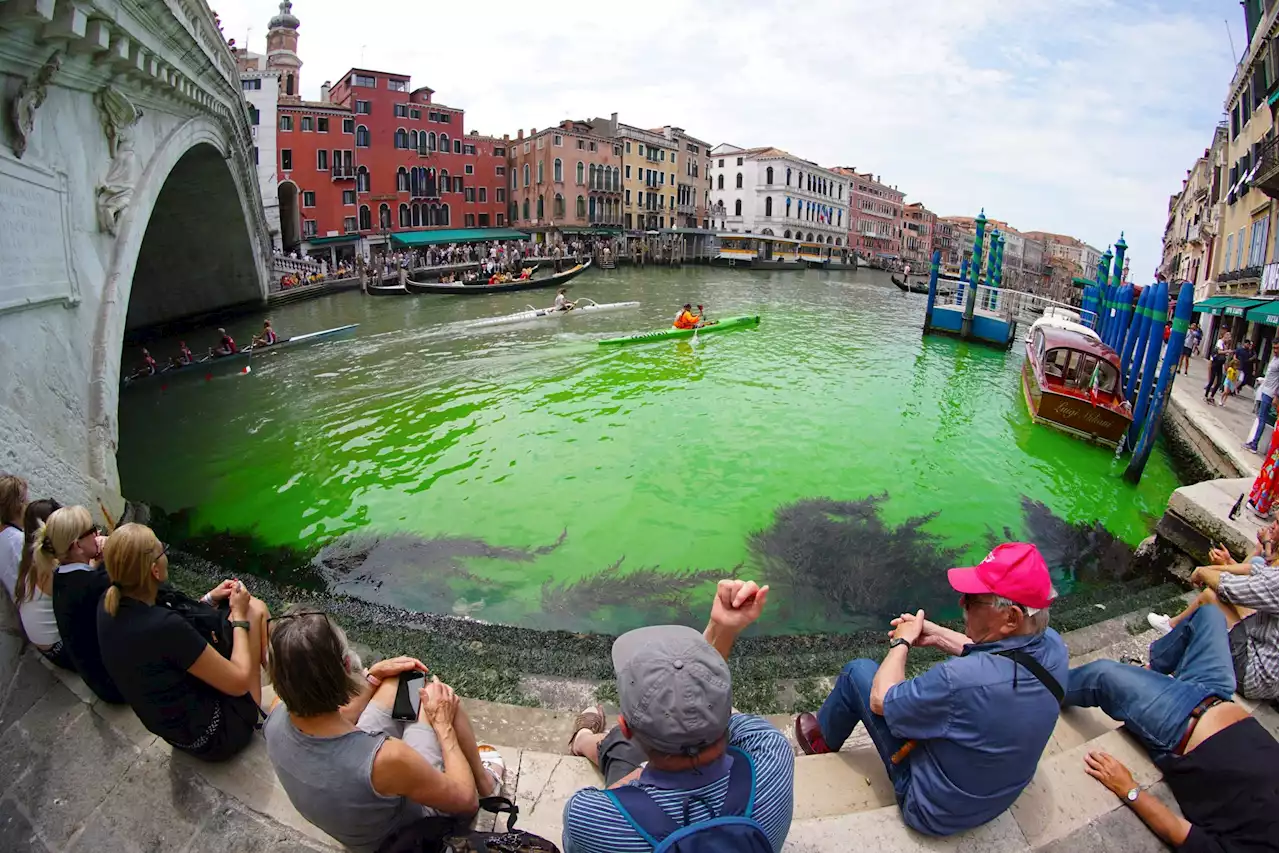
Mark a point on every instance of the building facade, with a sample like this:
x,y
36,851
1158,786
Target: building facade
x,y
650,166
565,179
261,92
693,179
875,221
770,192
918,224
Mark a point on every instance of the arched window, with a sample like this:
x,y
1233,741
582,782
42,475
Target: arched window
x,y
402,138
580,173
788,176
288,84
541,211
591,176
445,186
513,212
422,142
809,236
557,171
384,216
788,206
838,241
366,221
413,140
719,182
768,205
524,208
540,171
829,239
559,206
444,214
581,207
526,177
617,179
404,216
402,180
362,136
787,233
591,209
362,180
768,175
737,207
739,180
444,142
417,214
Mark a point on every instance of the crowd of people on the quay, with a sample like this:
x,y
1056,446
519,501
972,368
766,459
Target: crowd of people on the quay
x,y
381,768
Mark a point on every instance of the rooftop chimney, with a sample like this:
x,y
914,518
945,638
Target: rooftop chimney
x,y
506,137
520,133
324,91
533,131
613,124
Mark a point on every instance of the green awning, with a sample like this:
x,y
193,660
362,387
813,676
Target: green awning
x,y
1081,283
1212,305
328,241
1264,313
1238,307
455,235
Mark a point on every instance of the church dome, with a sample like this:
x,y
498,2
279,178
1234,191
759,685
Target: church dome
x,y
286,18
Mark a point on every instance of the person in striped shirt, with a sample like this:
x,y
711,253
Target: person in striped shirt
x,y
675,731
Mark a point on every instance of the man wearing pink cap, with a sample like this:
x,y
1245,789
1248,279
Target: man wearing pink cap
x,y
961,740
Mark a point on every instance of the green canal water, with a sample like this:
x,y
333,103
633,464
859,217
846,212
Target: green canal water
x,y
524,475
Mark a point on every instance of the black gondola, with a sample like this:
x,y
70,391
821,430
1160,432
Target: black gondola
x,y
481,287
386,290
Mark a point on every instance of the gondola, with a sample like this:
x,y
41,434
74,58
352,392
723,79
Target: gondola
x,y
386,290
481,287
210,363
909,288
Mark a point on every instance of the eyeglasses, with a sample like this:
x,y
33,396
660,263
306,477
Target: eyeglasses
x,y
297,615
164,552
92,531
968,600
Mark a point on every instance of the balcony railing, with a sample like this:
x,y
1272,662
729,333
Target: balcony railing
x,y
1265,176
343,173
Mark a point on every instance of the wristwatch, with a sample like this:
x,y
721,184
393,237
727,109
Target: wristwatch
x,y
899,641
239,623
1132,795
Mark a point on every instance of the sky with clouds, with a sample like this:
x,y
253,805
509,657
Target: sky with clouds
x,y
1073,116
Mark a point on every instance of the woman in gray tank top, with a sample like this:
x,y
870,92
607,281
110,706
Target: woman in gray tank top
x,y
347,766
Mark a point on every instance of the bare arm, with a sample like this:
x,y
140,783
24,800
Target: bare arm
x,y
893,669
399,771
233,677
736,605
937,637
1162,821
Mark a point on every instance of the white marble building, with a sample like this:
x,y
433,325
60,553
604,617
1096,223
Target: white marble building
x,y
770,192
261,87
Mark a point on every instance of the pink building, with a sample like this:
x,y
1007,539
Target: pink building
x,y
875,216
918,226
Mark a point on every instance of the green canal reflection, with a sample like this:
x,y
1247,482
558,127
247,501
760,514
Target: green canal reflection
x,y
522,474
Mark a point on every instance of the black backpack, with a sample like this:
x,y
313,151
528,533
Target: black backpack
x,y
452,834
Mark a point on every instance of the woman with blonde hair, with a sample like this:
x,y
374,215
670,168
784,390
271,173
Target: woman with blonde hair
x,y
67,551
33,595
13,500
182,687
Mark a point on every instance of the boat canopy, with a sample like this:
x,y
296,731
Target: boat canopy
x,y
455,235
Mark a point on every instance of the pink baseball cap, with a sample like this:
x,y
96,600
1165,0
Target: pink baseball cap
x,y
1014,570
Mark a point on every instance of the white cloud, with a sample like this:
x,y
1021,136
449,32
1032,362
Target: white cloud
x,y
1078,116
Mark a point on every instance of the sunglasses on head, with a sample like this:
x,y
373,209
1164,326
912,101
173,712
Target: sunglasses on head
x,y
297,615
164,551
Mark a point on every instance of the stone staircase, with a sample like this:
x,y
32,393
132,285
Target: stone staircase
x,y
85,775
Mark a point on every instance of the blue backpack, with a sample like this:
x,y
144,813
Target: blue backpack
x,y
734,830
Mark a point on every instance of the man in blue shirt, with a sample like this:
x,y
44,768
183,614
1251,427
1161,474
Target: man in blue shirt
x,y
963,739
677,737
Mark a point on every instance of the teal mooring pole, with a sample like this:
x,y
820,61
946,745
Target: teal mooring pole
x,y
933,289
975,273
1181,320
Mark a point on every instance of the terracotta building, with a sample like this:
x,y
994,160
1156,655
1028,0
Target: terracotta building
x,y
918,224
565,179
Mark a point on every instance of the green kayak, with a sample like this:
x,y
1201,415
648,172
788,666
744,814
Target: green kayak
x,y
663,334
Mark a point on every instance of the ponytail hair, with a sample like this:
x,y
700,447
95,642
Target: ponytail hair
x,y
54,537
37,513
130,552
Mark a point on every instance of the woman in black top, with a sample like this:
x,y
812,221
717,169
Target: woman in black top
x,y
200,699
67,551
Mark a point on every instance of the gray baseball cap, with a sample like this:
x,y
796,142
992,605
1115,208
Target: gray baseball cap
x,y
673,687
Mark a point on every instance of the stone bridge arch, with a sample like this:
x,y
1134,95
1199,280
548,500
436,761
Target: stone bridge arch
x,y
190,210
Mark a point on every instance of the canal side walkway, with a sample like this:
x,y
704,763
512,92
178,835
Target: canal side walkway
x,y
1215,433
81,775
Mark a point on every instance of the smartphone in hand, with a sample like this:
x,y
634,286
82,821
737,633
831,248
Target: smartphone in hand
x,y
408,697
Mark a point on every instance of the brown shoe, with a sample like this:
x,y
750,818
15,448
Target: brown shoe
x,y
809,735
591,719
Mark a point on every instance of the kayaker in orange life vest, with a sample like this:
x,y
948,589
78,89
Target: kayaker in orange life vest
x,y
686,319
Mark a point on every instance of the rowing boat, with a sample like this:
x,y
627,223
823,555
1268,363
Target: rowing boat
x,y
243,356
663,334
538,313
480,288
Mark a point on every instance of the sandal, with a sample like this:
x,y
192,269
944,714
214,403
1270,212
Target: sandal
x,y
591,719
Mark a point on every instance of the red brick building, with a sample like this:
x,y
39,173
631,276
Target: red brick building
x,y
875,216
374,157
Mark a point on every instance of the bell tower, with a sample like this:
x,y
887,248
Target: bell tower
x,y
282,52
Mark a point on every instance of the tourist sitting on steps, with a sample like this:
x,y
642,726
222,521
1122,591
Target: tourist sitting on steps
x,y
35,602
347,765
1248,595
196,690
13,500
679,756
961,740
1219,762
67,553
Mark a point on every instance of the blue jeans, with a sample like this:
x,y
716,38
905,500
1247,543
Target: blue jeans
x,y
1264,408
1189,664
850,704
